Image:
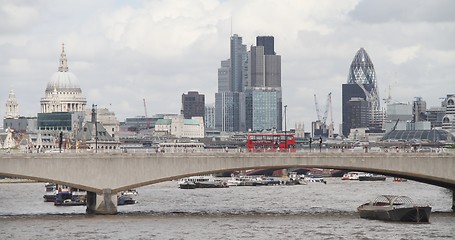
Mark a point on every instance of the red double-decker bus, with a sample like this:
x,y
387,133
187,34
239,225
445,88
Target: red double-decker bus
x,y
270,142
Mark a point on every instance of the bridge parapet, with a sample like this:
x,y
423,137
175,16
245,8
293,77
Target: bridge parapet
x,y
123,171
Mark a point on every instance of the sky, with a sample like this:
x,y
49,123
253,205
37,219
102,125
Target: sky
x,y
125,51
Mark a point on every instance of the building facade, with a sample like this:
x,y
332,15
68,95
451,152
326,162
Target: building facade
x,y
262,106
209,117
448,121
179,127
263,88
361,83
230,98
193,105
63,93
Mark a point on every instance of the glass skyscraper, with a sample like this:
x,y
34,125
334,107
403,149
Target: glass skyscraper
x,y
249,88
361,84
230,99
263,108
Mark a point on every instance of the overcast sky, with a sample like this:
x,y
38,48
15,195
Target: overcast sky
x,y
125,51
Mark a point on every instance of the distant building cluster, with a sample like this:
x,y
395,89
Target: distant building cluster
x,y
248,99
362,116
64,121
249,96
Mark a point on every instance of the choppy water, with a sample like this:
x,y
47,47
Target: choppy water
x,y
313,211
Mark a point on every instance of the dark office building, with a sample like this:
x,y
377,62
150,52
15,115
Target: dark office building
x,y
56,121
359,116
193,105
349,117
268,43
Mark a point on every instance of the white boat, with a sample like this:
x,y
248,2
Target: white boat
x,y
234,181
203,182
296,178
353,175
51,191
315,178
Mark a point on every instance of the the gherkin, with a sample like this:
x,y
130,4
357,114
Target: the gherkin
x,y
361,85
362,72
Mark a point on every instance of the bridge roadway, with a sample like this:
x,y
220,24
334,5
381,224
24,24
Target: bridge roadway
x,y
103,175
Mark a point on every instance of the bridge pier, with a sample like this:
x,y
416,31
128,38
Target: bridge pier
x,y
104,203
453,199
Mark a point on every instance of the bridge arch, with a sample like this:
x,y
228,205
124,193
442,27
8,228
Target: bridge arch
x,y
390,173
109,173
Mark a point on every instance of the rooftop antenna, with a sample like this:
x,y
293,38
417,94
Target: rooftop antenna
x,y
231,26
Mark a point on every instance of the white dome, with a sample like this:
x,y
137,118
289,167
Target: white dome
x,y
63,81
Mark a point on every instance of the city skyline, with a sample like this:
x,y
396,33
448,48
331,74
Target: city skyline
x,y
119,63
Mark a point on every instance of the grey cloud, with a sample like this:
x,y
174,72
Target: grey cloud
x,y
404,11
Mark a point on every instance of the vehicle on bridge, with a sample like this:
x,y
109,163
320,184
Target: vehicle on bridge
x,y
270,142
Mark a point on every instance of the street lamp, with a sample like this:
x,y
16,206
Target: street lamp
x,y
96,127
285,137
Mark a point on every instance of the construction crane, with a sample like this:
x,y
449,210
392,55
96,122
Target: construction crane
x,y
317,108
145,108
328,108
146,115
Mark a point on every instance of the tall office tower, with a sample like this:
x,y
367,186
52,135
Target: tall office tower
x,y
263,92
230,99
209,118
419,109
193,105
268,43
238,55
359,113
361,84
263,108
224,76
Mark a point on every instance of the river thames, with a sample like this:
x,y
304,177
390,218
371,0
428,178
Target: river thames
x,y
163,211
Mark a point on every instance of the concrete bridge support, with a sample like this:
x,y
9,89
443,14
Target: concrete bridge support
x,y
102,204
453,199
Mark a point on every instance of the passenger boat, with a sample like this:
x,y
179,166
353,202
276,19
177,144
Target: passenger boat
x,y
187,185
66,198
202,182
296,178
234,181
372,177
394,208
126,197
353,175
315,178
51,191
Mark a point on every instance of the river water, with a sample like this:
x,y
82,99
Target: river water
x,y
313,211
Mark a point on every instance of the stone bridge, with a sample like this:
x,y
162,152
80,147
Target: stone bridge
x,y
103,175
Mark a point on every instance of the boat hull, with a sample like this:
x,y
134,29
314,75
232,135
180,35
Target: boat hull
x,y
405,214
372,178
187,186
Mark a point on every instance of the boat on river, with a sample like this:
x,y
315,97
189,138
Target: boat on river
x,y
126,197
67,198
394,208
51,191
201,182
315,178
353,175
372,177
187,185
